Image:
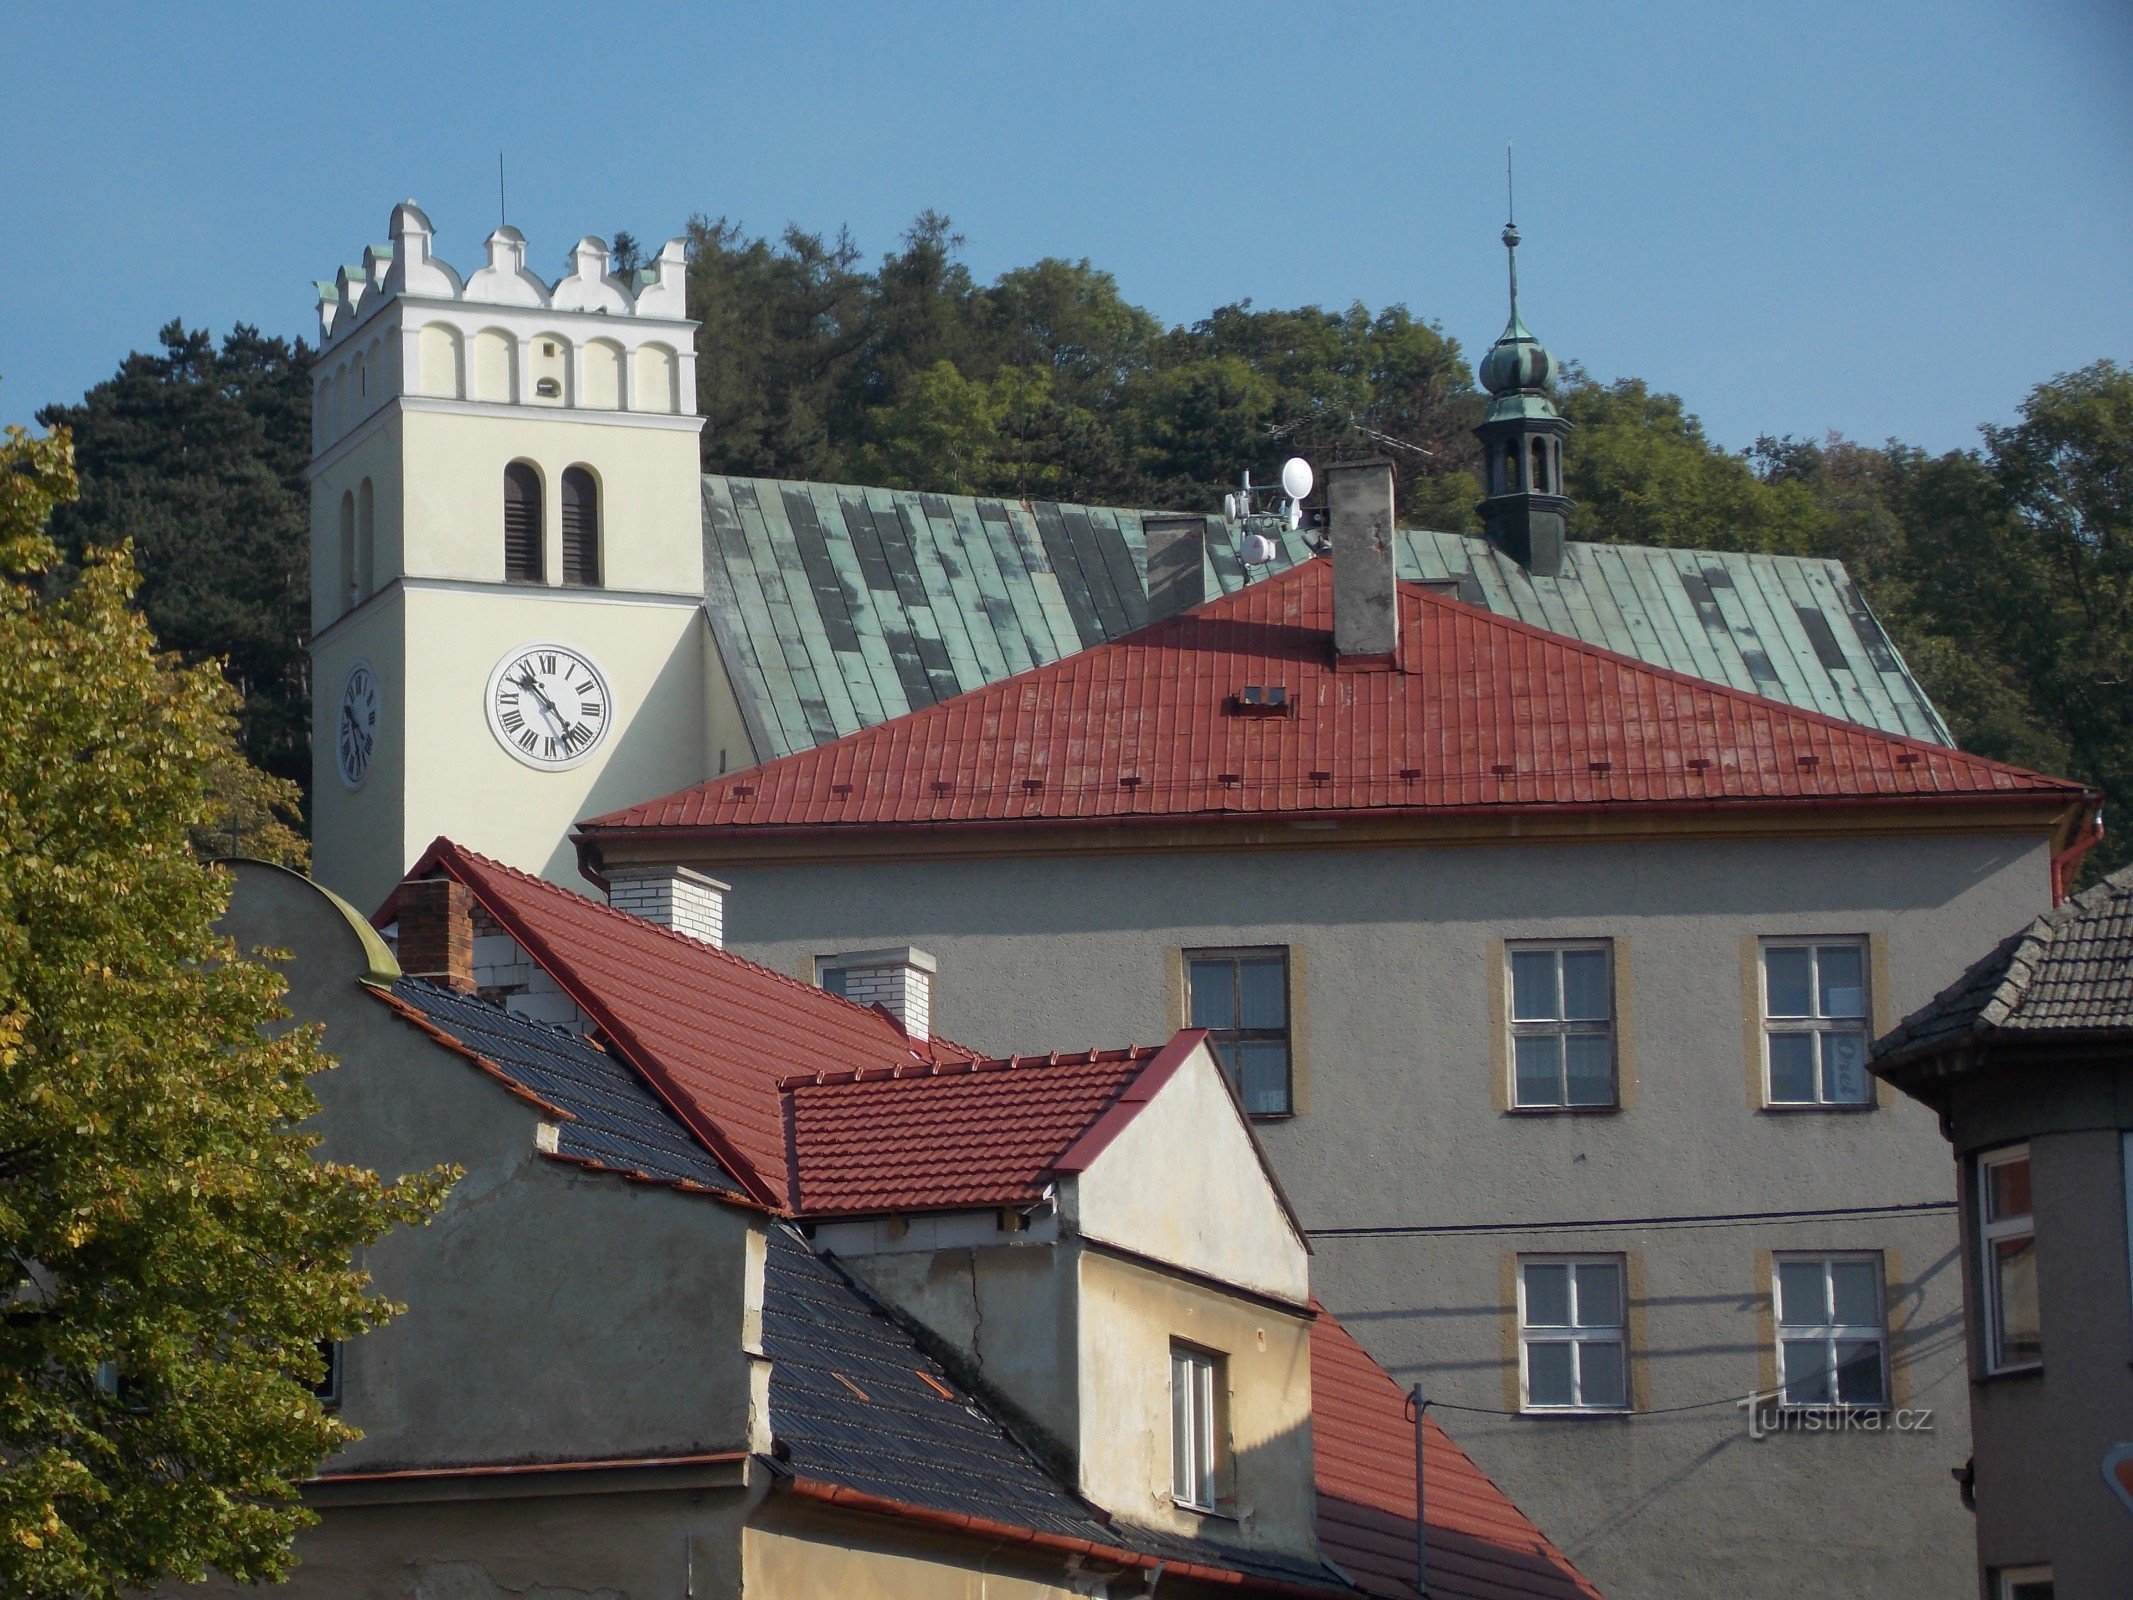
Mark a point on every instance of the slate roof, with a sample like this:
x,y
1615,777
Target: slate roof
x,y
837,607
975,1133
2068,974
605,1115
1481,1546
855,1402
712,1034
1483,713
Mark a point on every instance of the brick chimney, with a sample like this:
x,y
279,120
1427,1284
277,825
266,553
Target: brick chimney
x,y
674,897
1176,553
1366,611
436,919
899,979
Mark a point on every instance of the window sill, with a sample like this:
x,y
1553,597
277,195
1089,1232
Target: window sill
x,y
1268,1116
1793,1108
1577,1413
1563,1111
1205,1513
2003,1374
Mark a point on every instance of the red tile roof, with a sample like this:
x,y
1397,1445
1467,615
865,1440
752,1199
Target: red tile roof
x,y
1481,1546
1482,713
712,1034
978,1133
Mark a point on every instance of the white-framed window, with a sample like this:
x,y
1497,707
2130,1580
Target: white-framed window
x,y
1832,1330
1573,1345
328,1387
2022,1583
1562,1024
1242,998
1815,1022
2007,1261
1197,1385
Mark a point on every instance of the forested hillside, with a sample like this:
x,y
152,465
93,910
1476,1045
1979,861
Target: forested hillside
x,y
2005,572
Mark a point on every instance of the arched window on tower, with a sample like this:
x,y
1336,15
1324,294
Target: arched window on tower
x,y
366,541
581,528
348,549
1510,466
522,523
1540,466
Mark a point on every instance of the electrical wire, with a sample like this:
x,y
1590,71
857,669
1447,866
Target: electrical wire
x,y
1702,1219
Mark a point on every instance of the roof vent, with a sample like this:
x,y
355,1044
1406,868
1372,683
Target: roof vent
x,y
1260,700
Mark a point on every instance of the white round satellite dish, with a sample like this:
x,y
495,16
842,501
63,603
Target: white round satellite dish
x,y
1258,550
1296,477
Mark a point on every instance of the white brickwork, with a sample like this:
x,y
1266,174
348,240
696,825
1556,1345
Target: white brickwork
x,y
674,897
900,980
505,975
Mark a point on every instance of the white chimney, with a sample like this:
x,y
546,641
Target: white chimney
x,y
686,902
899,979
1359,523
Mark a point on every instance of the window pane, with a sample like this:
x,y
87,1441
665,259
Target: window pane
x,y
1856,1288
1263,1076
1599,1295
835,979
1800,1295
1589,1061
1806,1371
1859,1372
1538,1058
1792,1067
1600,1374
1533,985
2007,1189
1181,1430
1787,981
1844,1069
2014,1266
1204,1434
1214,994
1843,981
1585,985
2029,1589
1548,1375
1265,989
1547,1295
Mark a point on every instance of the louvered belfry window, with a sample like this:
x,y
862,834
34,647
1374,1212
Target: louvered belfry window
x,y
581,528
522,524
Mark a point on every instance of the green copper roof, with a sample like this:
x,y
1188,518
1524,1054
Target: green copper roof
x,y
836,607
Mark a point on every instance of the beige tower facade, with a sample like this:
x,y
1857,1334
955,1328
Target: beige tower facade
x,y
507,555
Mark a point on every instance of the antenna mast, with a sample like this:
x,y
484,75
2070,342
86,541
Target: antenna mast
x,y
502,217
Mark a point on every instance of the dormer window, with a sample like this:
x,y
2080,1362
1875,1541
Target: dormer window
x,y
1198,1433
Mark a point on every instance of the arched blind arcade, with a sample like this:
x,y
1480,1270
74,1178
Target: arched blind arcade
x,y
522,523
581,528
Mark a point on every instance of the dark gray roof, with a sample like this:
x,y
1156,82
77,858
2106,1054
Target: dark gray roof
x,y
611,1118
837,607
2068,973
855,1401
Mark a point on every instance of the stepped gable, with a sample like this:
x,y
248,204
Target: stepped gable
x,y
711,1033
1481,1546
1480,714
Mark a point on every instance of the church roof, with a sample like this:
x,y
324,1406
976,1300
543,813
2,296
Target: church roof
x,y
1482,714
836,607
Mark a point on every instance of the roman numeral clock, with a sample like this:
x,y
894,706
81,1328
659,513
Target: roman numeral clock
x,y
548,705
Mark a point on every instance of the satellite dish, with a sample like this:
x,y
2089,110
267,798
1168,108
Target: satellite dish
x,y
1296,477
1258,550
1229,507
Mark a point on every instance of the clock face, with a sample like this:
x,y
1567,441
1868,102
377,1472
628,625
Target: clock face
x,y
355,735
548,706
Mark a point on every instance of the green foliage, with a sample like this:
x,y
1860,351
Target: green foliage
x,y
197,455
174,1251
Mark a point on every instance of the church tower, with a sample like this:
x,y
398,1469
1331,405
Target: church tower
x,y
506,554
1521,438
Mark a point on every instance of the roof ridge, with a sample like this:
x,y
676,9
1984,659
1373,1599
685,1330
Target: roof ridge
x,y
695,946
969,1066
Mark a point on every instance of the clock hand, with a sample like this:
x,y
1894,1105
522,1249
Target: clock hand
x,y
527,683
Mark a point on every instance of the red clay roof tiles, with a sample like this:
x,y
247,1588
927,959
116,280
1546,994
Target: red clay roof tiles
x,y
983,1133
1482,712
1481,1546
712,1033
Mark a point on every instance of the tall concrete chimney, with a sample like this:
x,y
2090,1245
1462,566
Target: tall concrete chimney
x,y
1176,552
1366,611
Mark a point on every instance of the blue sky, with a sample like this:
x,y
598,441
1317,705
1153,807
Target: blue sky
x,y
1884,219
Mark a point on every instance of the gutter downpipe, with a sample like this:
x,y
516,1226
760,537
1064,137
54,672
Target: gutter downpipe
x,y
2087,835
